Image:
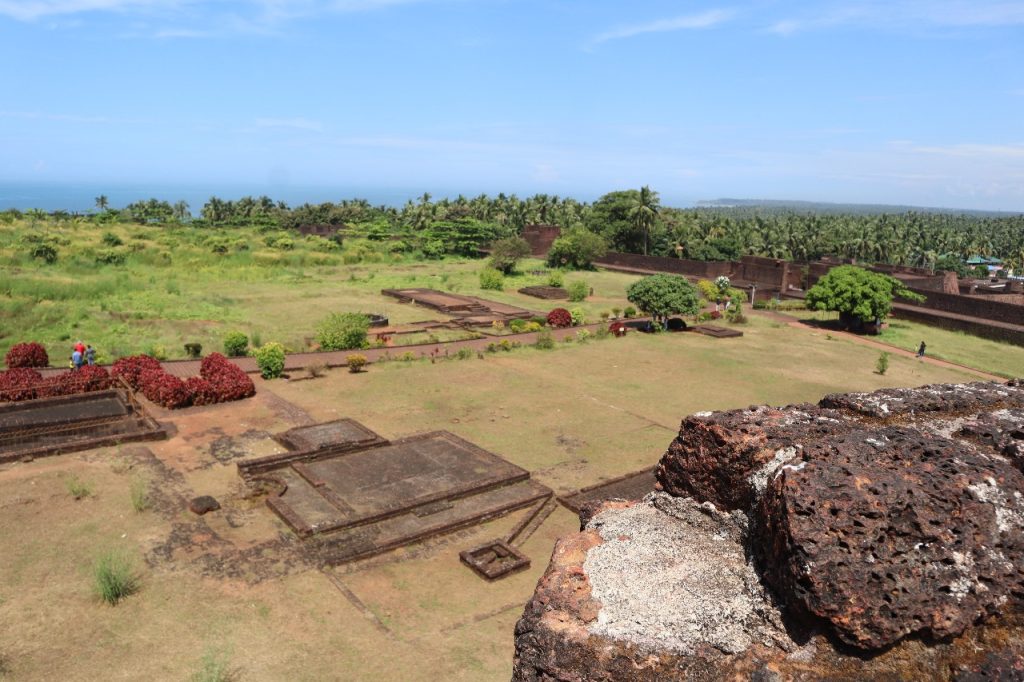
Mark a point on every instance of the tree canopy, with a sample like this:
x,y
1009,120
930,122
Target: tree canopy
x,y
857,293
577,248
662,295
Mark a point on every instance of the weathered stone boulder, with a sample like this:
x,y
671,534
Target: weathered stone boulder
x,y
725,457
947,399
203,504
885,540
1001,431
889,532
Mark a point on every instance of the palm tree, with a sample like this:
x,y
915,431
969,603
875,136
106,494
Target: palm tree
x,y
181,210
102,202
643,212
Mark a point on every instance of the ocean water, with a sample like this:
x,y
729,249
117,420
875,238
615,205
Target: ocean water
x,y
81,197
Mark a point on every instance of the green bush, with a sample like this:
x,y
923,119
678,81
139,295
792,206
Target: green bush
x,y
545,341
270,360
582,335
517,326
110,257
556,279
629,312
114,577
492,279
343,331
111,239
236,344
578,291
578,316
45,253
193,350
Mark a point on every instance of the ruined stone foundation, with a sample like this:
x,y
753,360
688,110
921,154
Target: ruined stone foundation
x,y
872,536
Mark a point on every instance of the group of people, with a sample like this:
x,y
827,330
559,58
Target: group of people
x,y
83,354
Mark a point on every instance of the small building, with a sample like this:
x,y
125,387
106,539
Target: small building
x,y
993,265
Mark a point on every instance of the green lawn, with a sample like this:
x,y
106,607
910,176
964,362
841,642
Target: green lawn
x,y
1003,359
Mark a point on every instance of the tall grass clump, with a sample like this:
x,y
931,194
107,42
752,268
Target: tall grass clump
x,y
140,495
114,577
78,488
215,666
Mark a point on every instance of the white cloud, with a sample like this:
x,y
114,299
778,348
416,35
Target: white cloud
x,y
689,22
983,151
290,124
29,10
911,14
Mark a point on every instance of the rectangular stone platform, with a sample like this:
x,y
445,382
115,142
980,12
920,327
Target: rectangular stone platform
x,y
468,308
495,559
629,487
52,426
368,500
717,332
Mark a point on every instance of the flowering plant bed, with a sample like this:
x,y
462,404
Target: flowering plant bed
x,y
25,383
219,381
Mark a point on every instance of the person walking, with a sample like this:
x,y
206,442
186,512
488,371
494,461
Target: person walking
x,y
90,355
76,359
80,347
920,350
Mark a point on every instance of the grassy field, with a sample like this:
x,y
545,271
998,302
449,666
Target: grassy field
x,y
173,288
1003,359
229,585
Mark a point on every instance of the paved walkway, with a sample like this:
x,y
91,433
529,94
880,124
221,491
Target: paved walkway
x,y
866,341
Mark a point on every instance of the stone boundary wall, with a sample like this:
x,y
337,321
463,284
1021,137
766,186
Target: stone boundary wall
x,y
676,266
970,306
540,238
976,327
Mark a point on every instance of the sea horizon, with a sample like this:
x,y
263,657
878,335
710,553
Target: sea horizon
x,y
80,197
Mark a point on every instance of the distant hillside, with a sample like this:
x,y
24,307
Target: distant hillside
x,y
784,205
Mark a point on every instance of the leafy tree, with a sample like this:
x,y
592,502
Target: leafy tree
x,y
858,295
952,264
506,253
577,248
662,295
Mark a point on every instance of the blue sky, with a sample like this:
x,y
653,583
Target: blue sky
x,y
892,102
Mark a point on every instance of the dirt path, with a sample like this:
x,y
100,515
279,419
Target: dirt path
x,y
863,340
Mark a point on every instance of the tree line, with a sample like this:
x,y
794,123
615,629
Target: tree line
x,y
632,221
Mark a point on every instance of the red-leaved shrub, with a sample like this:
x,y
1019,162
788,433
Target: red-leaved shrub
x,y
617,328
20,383
27,355
560,317
87,378
163,388
201,391
228,380
716,315
131,367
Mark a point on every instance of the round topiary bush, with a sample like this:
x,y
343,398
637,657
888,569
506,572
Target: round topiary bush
x,y
490,278
270,360
235,344
30,354
560,317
